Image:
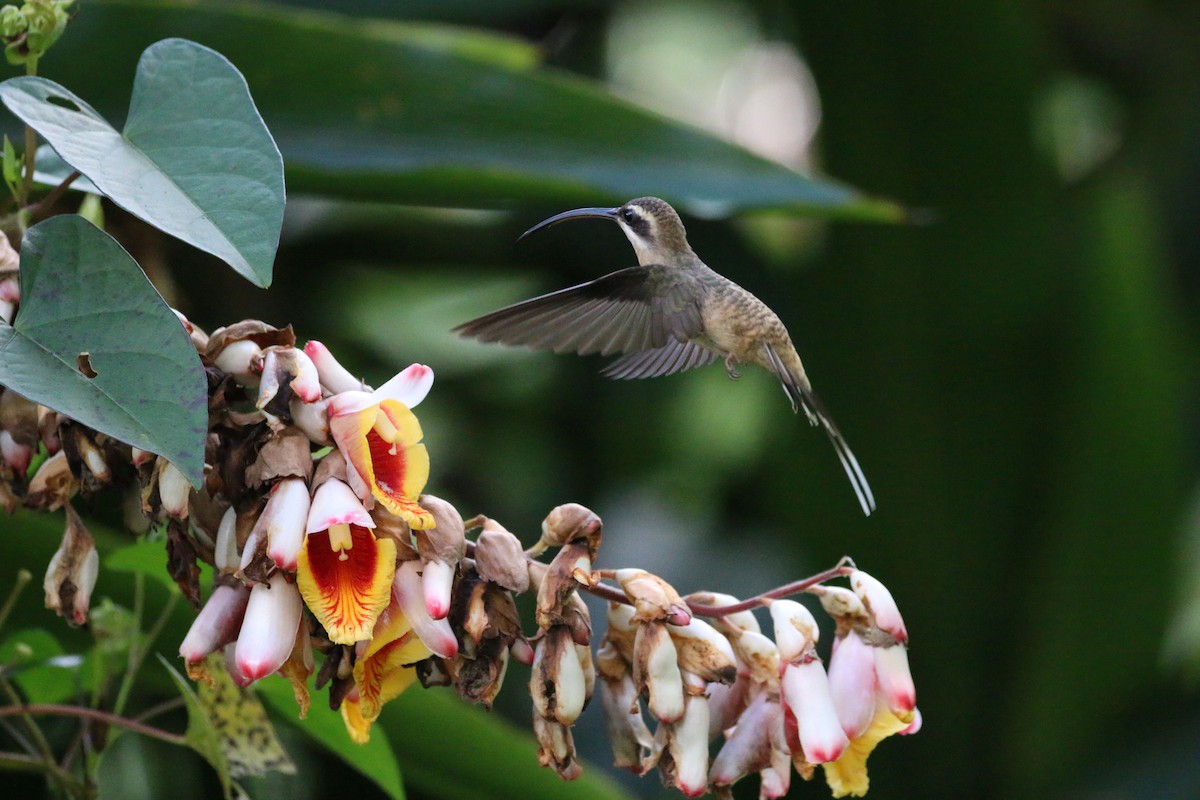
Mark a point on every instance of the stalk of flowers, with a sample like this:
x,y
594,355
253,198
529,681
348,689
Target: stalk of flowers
x,y
334,569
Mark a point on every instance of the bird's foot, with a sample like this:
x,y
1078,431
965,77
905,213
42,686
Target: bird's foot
x,y
731,368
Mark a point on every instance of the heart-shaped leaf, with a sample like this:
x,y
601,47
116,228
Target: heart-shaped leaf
x,y
95,341
194,159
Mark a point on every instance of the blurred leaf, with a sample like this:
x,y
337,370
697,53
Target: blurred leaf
x,y
148,556
34,659
201,734
95,341
374,759
434,115
194,159
450,749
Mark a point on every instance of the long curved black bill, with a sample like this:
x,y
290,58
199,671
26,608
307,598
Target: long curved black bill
x,y
578,213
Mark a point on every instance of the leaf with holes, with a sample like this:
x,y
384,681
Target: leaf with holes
x,y
194,160
95,341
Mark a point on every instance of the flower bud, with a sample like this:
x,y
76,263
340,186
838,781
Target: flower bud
x,y
436,634
569,522
703,651
217,624
173,490
243,360
225,554
748,748
688,745
17,456
290,366
895,680
71,574
332,375
805,689
656,671
284,521
652,597
268,630
312,419
852,683
880,603
500,559
796,630
557,682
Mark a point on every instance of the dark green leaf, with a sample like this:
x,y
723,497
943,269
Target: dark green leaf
x,y
87,309
374,759
437,115
463,752
194,159
201,734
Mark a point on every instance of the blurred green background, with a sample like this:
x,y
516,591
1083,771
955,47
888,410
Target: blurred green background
x,y
1013,364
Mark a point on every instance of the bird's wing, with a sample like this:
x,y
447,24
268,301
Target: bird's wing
x,y
628,311
673,357
802,396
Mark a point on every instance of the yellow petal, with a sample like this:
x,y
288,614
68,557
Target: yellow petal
x,y
358,728
848,775
347,594
384,675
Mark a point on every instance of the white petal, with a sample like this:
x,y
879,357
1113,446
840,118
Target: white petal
x,y
689,747
409,386
335,503
333,376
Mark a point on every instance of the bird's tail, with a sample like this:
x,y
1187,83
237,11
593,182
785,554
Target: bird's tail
x,y
800,392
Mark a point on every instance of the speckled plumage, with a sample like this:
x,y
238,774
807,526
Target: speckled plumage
x,y
668,314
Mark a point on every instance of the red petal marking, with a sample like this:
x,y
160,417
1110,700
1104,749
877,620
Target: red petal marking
x,y
347,595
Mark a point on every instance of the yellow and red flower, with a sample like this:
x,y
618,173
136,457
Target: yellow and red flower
x,y
380,438
344,572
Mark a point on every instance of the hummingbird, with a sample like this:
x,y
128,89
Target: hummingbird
x,y
669,314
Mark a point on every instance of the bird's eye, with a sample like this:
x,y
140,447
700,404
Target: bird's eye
x,y
629,215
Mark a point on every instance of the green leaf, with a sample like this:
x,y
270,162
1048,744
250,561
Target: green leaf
x,y
374,759
195,158
436,115
87,309
148,557
201,734
451,749
35,661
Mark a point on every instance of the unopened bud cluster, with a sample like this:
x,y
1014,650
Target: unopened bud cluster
x,y
314,516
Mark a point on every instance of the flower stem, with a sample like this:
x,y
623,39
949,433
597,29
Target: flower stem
x,y
83,712
24,576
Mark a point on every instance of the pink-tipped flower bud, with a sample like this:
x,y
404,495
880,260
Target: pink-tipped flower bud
x,y
217,624
269,626
880,603
333,376
852,683
141,457
437,579
283,520
805,689
436,634
895,680
748,748
287,365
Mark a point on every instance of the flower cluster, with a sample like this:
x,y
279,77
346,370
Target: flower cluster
x,y
331,561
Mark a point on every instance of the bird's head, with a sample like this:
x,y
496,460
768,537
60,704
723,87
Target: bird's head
x,y
650,224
